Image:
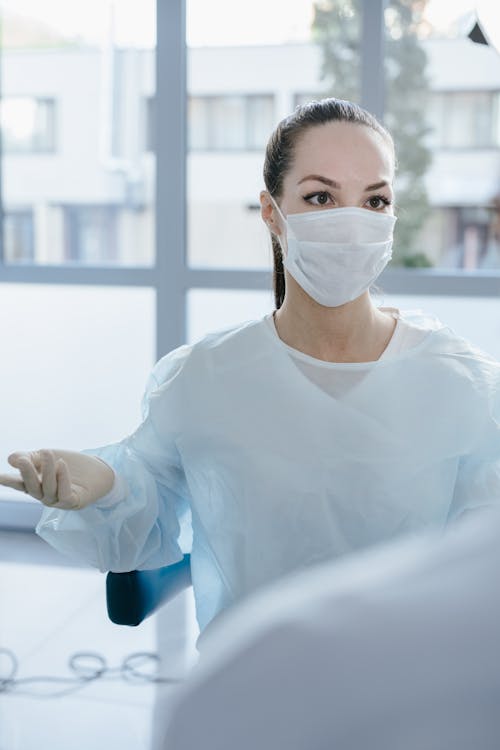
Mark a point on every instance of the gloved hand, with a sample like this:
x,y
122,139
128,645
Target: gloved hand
x,y
60,479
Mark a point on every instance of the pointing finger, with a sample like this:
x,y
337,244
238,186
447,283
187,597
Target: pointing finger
x,y
9,480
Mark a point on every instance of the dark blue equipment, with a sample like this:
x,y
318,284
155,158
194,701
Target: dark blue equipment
x,y
133,596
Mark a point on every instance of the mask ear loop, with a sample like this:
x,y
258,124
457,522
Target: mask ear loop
x,y
283,219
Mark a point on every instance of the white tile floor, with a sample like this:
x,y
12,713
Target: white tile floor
x,y
51,608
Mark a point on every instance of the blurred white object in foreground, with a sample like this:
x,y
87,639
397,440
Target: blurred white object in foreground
x,y
397,649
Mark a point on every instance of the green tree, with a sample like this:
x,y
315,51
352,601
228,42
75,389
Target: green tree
x,y
337,29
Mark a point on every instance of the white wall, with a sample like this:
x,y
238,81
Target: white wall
x,y
462,65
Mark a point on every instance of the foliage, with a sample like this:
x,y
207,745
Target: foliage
x,y
337,29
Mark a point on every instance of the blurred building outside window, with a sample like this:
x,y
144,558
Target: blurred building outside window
x,y
18,235
223,123
226,123
89,144
464,119
28,125
90,233
73,145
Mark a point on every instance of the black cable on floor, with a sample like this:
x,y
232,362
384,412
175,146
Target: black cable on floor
x,y
80,663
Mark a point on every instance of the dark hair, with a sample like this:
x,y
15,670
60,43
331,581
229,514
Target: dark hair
x,y
280,151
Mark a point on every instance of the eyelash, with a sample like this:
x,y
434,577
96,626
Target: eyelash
x,y
382,198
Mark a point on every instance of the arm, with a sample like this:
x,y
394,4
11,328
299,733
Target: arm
x,y
136,523
66,479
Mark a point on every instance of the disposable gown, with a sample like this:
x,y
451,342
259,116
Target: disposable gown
x,y
257,471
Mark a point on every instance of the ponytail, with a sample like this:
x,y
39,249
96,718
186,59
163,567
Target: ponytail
x,y
278,273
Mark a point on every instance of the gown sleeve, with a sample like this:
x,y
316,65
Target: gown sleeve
x,y
144,521
478,479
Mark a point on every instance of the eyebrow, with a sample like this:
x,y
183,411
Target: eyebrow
x,y
332,183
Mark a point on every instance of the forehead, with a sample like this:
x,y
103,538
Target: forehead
x,y
342,150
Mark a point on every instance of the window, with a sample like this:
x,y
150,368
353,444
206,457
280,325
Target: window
x,y
90,234
221,123
442,94
90,126
464,119
28,125
18,235
230,123
243,77
462,180
77,262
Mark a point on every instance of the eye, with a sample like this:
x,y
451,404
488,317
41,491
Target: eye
x,y
378,202
318,199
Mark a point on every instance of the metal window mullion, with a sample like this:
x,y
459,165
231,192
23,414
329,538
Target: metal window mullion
x,y
434,282
2,212
392,281
247,116
400,281
372,57
205,278
18,273
170,188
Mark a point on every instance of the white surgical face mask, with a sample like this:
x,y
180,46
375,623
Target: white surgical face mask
x,y
336,254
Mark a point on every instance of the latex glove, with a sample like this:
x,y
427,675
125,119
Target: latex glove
x,y
61,479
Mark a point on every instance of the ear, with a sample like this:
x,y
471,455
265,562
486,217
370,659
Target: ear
x,y
269,215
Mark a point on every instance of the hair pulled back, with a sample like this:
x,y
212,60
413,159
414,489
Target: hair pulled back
x,y
280,152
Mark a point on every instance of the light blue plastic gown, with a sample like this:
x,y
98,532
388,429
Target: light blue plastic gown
x,y
241,456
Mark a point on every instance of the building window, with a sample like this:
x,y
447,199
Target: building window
x,y
149,123
468,237
221,123
464,119
90,234
18,235
28,125
230,123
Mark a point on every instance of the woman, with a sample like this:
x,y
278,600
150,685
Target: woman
x,y
324,428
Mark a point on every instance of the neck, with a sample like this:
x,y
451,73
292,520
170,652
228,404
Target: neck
x,y
354,332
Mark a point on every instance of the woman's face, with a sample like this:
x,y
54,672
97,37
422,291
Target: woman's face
x,y
335,165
